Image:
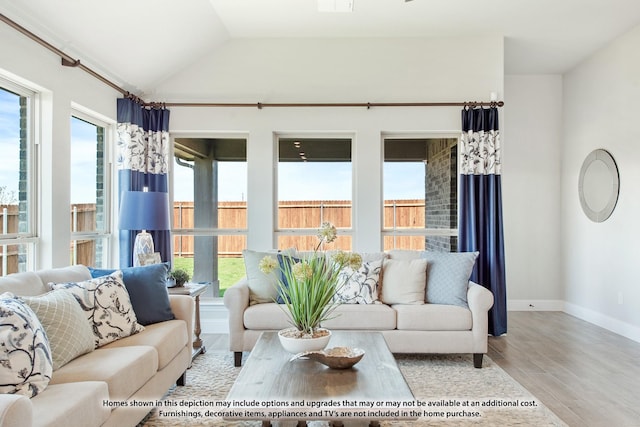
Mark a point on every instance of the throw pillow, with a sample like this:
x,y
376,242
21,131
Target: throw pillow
x,y
284,262
68,331
25,354
147,288
404,281
448,276
359,286
106,306
262,287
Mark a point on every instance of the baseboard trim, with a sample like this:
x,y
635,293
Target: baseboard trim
x,y
614,325
535,305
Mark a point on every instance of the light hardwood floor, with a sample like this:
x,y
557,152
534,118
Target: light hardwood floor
x,y
586,375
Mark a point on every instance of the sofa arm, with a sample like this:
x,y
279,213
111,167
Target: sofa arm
x,y
480,300
15,411
236,299
183,307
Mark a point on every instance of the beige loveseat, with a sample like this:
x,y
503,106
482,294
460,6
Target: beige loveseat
x,y
407,328
89,390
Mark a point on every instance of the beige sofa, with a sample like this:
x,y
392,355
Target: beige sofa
x,y
137,369
407,328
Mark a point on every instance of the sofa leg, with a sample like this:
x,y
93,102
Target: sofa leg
x,y
182,379
477,360
237,358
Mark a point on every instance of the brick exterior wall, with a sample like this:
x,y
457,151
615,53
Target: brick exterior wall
x,y
441,193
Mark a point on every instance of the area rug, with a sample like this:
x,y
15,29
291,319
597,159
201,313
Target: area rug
x,y
448,382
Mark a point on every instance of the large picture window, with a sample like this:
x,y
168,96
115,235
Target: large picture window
x,y
314,186
17,179
89,191
210,209
420,190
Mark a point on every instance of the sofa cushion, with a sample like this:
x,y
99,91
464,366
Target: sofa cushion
x,y
433,317
124,369
72,273
403,254
266,316
25,354
404,281
73,404
262,287
448,276
27,283
64,322
359,286
168,338
106,305
147,287
377,317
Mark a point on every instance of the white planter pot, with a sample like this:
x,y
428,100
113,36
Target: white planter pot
x,y
298,345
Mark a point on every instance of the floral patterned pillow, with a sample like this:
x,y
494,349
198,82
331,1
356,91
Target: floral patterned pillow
x,y
25,354
359,286
106,305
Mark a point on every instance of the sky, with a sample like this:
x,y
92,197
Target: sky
x,y
297,181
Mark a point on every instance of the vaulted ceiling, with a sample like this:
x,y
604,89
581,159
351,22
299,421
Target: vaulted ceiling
x,y
140,43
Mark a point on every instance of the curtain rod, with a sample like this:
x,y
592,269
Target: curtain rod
x,y
368,105
69,61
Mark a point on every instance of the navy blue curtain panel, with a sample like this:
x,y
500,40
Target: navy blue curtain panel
x,y
480,218
143,156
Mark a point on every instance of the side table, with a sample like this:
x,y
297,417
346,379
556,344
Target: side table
x,y
194,290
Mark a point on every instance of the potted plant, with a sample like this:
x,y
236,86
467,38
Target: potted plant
x,y
307,288
180,276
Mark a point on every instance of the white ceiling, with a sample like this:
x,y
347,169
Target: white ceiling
x,y
139,43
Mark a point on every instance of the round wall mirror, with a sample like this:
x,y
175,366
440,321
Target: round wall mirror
x,y
598,185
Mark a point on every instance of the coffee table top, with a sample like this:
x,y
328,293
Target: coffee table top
x,y
270,376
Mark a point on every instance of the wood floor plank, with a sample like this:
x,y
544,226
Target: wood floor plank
x,y
586,375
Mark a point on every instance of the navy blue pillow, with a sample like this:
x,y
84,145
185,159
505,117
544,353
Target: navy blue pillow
x,y
290,260
147,287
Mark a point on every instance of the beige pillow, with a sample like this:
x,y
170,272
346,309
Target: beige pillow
x,y
64,322
404,281
262,287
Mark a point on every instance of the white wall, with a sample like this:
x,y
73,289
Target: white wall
x,y
601,110
531,192
29,64
333,70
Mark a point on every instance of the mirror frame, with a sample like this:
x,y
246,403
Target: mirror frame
x,y
605,157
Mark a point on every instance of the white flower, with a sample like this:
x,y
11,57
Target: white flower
x,y
267,264
327,232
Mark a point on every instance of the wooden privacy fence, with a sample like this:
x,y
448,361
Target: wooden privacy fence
x,y
300,214
233,215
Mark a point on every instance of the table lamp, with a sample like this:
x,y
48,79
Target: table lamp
x,y
144,210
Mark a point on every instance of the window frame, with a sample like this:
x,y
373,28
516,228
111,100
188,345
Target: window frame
x,y
305,232
412,232
106,233
30,239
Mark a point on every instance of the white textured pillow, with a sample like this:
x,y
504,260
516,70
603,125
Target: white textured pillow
x,y
67,328
404,281
106,305
361,286
25,354
262,287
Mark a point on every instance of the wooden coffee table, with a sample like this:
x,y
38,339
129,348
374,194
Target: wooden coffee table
x,y
272,383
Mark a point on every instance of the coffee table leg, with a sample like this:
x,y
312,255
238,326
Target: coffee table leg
x,y
337,424
302,424
374,424
266,423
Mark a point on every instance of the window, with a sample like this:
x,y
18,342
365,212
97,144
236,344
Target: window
x,y
89,191
210,209
17,179
420,194
314,185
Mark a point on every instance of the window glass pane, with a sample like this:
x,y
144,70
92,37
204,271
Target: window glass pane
x,y
420,192
89,252
15,173
209,193
15,258
87,176
314,186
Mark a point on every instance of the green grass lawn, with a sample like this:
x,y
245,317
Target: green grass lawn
x,y
230,270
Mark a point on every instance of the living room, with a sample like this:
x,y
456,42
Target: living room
x,y
554,115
